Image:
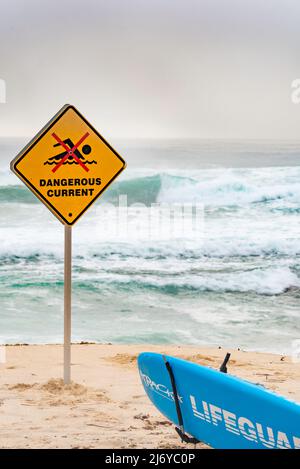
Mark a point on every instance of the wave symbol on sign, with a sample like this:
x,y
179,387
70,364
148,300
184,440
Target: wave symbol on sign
x,y
86,150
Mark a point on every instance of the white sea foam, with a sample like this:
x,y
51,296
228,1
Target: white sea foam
x,y
270,281
227,189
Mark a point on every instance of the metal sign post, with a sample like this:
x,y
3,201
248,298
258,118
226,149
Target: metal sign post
x,y
67,303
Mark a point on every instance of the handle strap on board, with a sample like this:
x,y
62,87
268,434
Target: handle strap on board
x,y
180,430
223,367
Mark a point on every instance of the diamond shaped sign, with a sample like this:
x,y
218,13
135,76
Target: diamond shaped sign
x,y
68,165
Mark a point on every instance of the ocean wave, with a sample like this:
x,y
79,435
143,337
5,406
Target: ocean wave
x,y
17,194
26,246
226,190
272,281
213,188
261,281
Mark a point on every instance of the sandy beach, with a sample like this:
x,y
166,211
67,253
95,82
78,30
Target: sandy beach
x,y
105,406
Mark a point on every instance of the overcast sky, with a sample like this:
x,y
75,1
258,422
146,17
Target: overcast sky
x,y
153,68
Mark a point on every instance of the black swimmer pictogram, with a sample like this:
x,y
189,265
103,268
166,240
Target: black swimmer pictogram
x,y
71,155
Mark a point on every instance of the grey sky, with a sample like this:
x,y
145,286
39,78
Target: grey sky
x,y
153,68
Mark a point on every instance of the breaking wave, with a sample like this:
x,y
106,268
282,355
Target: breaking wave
x,y
228,188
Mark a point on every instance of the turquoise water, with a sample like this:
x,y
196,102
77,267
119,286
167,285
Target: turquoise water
x,y
235,283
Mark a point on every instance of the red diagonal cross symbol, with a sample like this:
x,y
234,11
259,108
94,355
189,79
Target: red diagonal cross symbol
x,y
70,152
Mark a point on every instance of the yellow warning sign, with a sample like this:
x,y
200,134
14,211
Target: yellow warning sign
x,y
68,165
